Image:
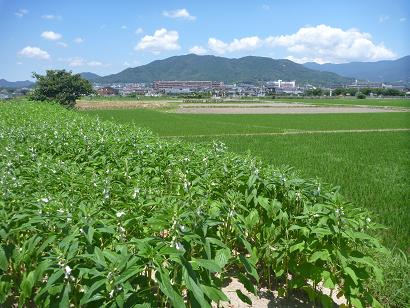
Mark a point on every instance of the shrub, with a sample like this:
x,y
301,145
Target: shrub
x,y
360,96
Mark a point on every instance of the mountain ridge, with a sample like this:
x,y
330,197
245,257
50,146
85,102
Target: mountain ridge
x,y
16,84
379,71
251,69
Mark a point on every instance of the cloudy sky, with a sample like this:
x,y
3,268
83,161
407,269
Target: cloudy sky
x,y
108,36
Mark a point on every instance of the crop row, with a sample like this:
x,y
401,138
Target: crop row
x,y
98,214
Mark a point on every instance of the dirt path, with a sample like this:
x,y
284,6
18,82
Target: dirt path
x,y
86,105
298,132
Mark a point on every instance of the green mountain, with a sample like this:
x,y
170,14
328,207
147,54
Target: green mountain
x,y
89,76
387,71
247,69
15,84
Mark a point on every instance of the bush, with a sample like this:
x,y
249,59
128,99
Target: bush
x,y
360,96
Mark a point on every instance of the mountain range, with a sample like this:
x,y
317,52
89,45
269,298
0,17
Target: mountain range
x,y
15,84
381,71
247,69
251,69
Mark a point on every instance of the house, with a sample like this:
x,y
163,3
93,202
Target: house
x,y
107,91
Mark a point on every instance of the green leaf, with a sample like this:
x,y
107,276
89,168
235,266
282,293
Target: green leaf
x,y
190,281
243,297
327,280
90,293
65,299
250,268
356,302
299,246
129,272
99,257
247,283
90,234
214,294
210,265
164,283
222,257
352,274
320,255
4,264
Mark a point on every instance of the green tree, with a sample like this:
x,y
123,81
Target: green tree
x,y
60,86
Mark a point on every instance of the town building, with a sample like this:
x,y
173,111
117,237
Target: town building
x,y
186,86
107,91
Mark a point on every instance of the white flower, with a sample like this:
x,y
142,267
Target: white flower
x,y
178,246
45,200
368,220
182,228
136,192
119,214
67,272
111,293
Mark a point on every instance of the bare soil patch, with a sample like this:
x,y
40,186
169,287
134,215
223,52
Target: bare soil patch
x,y
83,105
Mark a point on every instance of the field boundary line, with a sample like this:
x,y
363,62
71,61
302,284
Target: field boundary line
x,y
297,132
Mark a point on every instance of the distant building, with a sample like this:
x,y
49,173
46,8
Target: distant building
x,y
280,86
107,91
188,85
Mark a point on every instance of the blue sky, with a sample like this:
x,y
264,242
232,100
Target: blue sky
x,y
108,36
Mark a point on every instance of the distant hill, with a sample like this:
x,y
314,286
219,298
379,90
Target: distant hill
x,y
15,84
387,71
247,69
89,76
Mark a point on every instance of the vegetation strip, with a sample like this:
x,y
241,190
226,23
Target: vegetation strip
x,y
299,132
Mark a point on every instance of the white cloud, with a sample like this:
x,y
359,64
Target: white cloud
x,y
161,40
266,7
20,13
139,30
126,63
403,19
180,13
78,61
124,27
51,35
34,52
245,43
383,18
199,50
62,44
19,63
51,17
327,44
95,63
78,40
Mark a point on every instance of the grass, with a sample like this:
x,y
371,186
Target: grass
x,y
170,124
392,102
372,168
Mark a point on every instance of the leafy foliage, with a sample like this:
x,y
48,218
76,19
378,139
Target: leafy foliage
x,y
60,86
93,213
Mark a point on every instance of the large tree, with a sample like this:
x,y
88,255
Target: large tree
x,y
60,86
